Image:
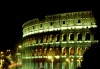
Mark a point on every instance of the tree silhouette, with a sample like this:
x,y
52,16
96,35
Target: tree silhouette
x,y
91,58
6,62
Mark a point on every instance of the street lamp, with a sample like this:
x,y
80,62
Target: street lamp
x,y
52,59
51,55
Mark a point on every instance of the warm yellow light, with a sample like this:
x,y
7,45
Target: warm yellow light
x,y
8,50
3,60
49,57
78,60
19,46
57,57
72,60
67,60
1,52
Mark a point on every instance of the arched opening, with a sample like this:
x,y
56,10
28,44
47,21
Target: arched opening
x,y
87,36
45,39
32,52
63,51
71,51
36,52
63,37
71,36
79,37
41,39
57,37
45,51
51,38
57,51
36,40
40,52
79,51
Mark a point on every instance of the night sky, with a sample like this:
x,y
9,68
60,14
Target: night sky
x,y
14,14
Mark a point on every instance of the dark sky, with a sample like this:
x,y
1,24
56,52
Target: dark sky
x,y
14,14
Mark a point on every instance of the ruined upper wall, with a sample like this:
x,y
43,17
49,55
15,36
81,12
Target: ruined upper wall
x,y
61,16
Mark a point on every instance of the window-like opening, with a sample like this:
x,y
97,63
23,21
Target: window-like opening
x,y
40,25
37,41
32,52
51,38
79,21
63,22
71,51
40,52
36,52
41,39
79,37
29,29
51,52
57,52
45,39
79,51
51,23
30,40
71,36
45,51
33,27
63,51
63,37
87,36
57,37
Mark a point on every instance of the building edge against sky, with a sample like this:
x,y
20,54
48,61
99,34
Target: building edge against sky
x,y
61,37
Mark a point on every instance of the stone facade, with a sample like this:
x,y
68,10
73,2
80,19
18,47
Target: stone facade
x,y
63,37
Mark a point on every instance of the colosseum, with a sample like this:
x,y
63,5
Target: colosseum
x,y
58,41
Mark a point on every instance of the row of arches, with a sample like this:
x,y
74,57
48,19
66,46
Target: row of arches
x,y
65,51
55,38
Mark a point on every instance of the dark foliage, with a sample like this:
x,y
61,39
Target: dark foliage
x,y
6,62
91,58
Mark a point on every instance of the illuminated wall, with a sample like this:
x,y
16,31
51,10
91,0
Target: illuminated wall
x,y
64,36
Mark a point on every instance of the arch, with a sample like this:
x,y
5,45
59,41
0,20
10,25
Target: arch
x,y
45,38
57,51
63,51
33,40
40,52
33,52
87,36
71,36
36,52
51,38
41,39
79,51
45,51
57,37
51,52
37,40
71,51
79,35
63,37
30,41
